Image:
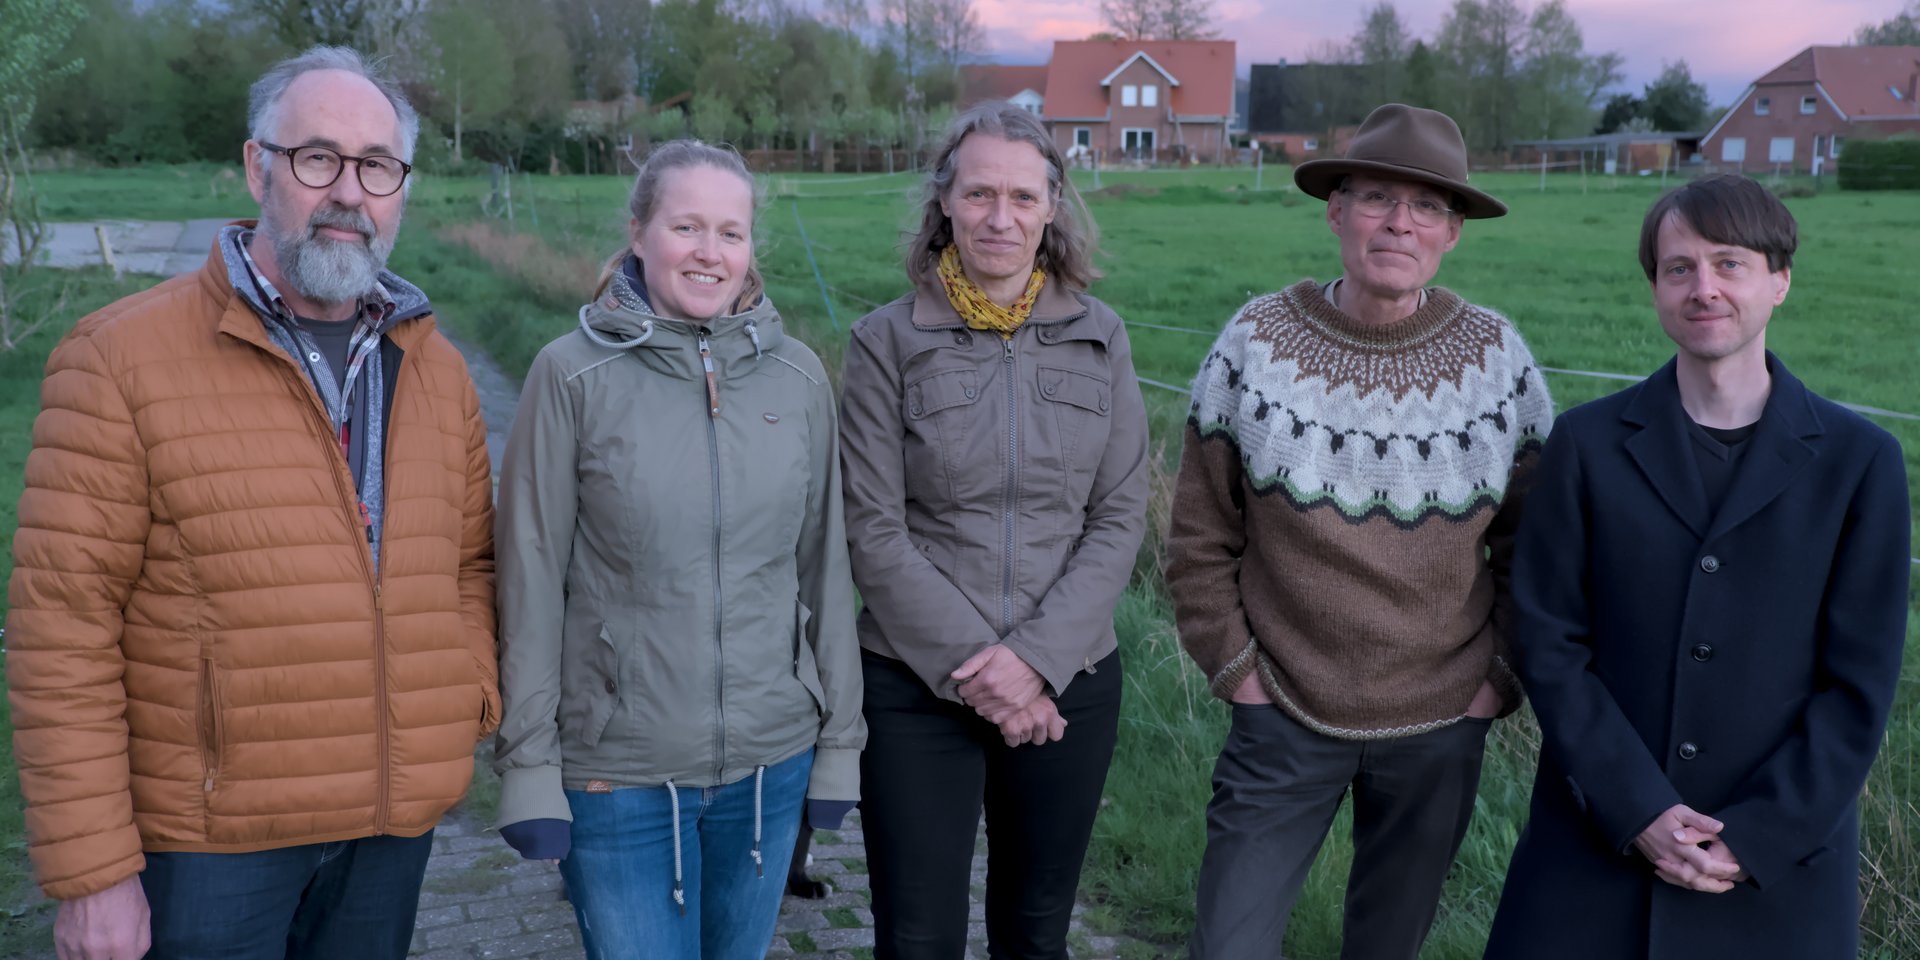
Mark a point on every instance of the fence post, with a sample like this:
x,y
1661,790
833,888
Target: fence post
x,y
106,250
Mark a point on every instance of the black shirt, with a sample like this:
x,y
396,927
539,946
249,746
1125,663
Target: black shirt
x,y
332,337
1718,452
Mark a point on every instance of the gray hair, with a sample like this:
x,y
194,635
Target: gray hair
x,y
674,155
1066,245
263,101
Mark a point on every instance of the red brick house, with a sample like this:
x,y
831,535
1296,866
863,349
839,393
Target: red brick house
x,y
1798,116
1149,101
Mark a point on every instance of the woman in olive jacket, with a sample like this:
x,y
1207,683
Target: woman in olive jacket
x,y
994,445
678,661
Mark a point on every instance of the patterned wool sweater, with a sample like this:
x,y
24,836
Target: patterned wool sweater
x,y
1345,508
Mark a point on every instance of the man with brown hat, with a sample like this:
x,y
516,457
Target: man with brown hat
x,y
1355,457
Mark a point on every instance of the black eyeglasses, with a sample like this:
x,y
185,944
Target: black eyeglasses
x,y
319,167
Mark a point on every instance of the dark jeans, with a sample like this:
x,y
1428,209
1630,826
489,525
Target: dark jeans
x,y
351,898
1275,790
929,767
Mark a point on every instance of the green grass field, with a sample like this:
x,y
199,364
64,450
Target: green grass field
x,y
1181,250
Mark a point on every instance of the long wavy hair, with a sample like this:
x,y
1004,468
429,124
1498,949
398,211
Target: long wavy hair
x,y
645,196
1066,245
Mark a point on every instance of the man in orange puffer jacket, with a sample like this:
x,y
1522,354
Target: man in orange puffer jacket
x,y
251,635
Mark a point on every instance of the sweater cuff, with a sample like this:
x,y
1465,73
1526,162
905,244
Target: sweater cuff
x,y
532,793
827,814
1236,671
544,839
1507,684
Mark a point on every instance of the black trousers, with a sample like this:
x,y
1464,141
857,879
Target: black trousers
x,y
1275,790
929,767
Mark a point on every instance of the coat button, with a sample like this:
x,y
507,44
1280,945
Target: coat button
x,y
610,685
1710,563
963,338
1703,652
915,409
1688,751
1048,389
969,393
1103,404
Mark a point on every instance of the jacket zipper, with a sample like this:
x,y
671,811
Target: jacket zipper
x,y
210,730
382,734
1011,496
713,468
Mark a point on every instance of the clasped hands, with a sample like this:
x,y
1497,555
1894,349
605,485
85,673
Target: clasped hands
x,y
1685,849
1001,688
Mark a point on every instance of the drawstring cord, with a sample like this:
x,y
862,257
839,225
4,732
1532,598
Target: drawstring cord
x,y
759,774
646,332
753,333
679,890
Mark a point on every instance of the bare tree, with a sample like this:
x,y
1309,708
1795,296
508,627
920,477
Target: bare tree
x,y
1186,19
1132,19
956,30
1381,44
30,55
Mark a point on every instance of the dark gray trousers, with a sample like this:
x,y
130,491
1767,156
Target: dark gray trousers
x,y
1275,790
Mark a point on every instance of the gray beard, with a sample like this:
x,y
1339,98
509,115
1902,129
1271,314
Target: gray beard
x,y
326,271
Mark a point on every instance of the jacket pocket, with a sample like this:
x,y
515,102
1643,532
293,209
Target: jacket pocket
x,y
1081,403
590,688
806,668
210,725
940,391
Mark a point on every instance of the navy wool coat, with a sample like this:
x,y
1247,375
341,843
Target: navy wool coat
x,y
1742,662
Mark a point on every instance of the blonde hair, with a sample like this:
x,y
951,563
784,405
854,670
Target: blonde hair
x,y
1066,245
645,196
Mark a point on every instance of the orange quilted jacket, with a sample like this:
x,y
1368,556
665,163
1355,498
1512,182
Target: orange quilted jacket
x,y
198,655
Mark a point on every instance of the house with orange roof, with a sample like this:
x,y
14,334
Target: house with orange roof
x,y
1798,116
1147,101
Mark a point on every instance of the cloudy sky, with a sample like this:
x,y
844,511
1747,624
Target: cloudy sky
x,y
1727,43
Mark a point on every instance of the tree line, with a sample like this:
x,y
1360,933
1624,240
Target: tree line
x,y
499,80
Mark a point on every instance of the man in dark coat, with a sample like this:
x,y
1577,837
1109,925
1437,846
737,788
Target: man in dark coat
x,y
1711,598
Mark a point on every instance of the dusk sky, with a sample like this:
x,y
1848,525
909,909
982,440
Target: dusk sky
x,y
1727,43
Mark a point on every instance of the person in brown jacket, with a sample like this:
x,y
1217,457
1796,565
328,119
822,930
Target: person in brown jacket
x,y
251,635
994,445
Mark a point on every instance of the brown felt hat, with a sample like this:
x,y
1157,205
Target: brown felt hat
x,y
1398,142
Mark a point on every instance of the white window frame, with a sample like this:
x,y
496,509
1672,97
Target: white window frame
x,y
1762,106
1809,104
1129,95
1733,150
1310,144
1833,146
1774,152
1150,95
1150,135
1083,137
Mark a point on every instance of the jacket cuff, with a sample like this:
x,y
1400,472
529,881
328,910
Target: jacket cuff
x,y
96,880
1055,676
836,774
532,793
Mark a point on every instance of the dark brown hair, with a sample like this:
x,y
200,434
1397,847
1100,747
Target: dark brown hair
x,y
1725,208
1066,246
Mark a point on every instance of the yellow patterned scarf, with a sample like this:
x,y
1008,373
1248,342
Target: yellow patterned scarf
x,y
972,304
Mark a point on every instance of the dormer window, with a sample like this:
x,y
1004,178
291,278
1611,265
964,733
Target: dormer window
x,y
1129,95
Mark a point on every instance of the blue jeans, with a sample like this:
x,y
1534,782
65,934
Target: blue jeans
x,y
622,871
349,898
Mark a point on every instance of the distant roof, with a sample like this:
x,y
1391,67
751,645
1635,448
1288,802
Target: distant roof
x,y
1604,139
1863,81
1203,70
999,81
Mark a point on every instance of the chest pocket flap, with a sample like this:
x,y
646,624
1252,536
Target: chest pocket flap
x,y
1083,390
938,391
